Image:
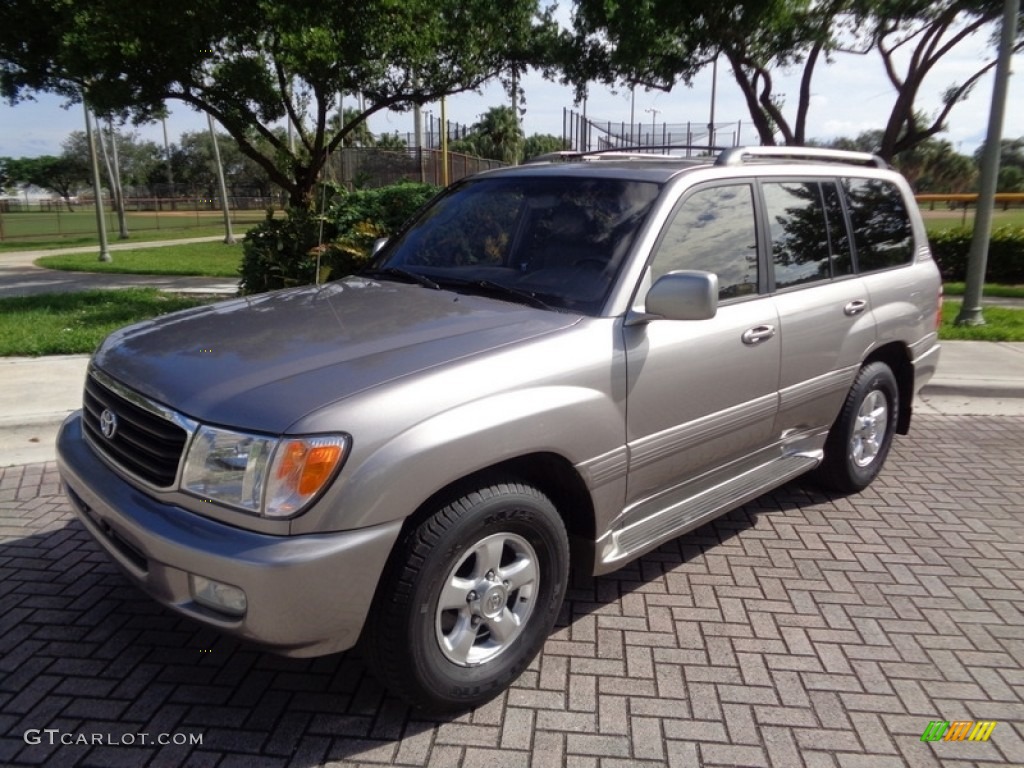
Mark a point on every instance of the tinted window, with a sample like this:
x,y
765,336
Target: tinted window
x,y
798,231
561,240
881,227
839,237
714,231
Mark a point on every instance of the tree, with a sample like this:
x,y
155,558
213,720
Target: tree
x,y
664,42
253,65
916,35
61,175
661,43
499,135
193,164
543,143
390,141
931,166
137,159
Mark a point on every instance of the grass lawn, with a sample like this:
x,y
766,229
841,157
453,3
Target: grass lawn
x,y
75,323
213,259
44,231
943,218
990,289
1000,324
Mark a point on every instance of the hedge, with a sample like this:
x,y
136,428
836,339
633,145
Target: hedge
x,y
280,253
1005,263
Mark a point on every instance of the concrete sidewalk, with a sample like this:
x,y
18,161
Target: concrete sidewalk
x,y
20,277
974,377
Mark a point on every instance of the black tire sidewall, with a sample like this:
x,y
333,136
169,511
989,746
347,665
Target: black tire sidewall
x,y
505,509
873,377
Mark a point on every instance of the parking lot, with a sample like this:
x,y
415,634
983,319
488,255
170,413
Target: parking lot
x,y
799,630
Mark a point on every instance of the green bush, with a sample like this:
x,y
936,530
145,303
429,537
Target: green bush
x,y
1005,262
363,216
283,252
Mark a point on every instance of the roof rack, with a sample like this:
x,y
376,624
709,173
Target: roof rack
x,y
642,152
741,155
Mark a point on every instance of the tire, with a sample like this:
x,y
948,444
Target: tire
x,y
859,441
469,597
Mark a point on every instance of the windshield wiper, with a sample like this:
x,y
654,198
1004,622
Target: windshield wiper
x,y
405,274
507,292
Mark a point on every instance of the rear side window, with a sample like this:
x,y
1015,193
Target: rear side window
x,y
714,230
798,231
807,231
882,234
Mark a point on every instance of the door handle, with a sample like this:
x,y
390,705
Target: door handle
x,y
757,334
855,307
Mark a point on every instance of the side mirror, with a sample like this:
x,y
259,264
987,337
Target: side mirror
x,y
378,244
683,295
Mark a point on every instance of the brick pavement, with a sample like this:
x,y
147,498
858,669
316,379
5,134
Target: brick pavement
x,y
801,630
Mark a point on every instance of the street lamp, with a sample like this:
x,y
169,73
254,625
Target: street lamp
x,y
654,116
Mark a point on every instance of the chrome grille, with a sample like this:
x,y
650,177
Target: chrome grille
x,y
146,443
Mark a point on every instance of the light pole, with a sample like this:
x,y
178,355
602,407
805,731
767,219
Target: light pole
x,y
711,119
97,191
970,310
654,116
229,238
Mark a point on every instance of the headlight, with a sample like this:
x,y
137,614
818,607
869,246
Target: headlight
x,y
265,475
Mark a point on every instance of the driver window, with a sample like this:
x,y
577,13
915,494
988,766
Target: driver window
x,y
714,230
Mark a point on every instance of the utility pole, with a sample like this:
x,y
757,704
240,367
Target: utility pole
x,y
970,310
229,239
97,190
711,119
167,154
654,116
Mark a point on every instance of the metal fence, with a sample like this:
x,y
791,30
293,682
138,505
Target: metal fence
x,y
353,167
370,167
586,134
48,219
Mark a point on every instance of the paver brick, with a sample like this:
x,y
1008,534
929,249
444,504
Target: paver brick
x,y
799,631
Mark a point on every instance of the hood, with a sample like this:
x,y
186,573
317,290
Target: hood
x,y
262,362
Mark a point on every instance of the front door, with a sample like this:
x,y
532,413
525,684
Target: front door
x,y
702,394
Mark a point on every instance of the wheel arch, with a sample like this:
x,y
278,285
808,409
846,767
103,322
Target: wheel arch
x,y
897,356
551,474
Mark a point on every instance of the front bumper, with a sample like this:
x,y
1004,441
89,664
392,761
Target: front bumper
x,y
306,595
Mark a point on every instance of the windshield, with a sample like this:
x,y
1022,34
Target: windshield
x,y
559,241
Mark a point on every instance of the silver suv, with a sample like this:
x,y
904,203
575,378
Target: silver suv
x,y
564,363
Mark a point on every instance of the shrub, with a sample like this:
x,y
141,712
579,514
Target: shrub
x,y
363,216
280,253
1005,262
283,252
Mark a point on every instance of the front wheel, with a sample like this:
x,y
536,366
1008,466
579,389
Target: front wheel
x,y
470,595
859,441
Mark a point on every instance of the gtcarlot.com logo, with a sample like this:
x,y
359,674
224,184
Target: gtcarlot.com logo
x,y
958,730
55,736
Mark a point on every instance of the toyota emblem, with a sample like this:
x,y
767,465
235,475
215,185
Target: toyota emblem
x,y
108,423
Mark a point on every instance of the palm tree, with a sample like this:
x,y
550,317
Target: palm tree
x,y
500,135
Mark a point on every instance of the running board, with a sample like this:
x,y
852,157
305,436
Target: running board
x,y
682,517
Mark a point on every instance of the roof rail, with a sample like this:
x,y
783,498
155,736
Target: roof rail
x,y
641,152
741,155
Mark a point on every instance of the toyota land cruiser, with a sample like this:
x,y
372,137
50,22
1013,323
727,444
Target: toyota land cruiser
x,y
563,363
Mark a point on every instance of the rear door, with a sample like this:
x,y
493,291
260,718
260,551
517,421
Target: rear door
x,y
825,315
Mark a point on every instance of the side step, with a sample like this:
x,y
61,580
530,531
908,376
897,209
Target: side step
x,y
677,519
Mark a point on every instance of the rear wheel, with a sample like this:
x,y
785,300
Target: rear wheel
x,y
859,441
470,596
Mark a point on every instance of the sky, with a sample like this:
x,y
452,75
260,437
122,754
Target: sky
x,y
849,96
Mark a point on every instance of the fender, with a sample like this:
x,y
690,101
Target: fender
x,y
575,422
